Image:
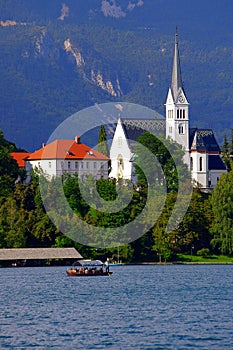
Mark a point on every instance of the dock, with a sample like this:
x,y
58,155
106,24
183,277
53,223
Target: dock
x,y
38,256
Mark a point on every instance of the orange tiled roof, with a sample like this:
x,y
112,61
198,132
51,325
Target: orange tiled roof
x,y
66,149
20,158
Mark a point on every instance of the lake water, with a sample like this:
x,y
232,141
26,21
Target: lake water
x,y
139,307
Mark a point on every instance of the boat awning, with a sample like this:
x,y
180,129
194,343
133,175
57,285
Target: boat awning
x,y
88,263
39,253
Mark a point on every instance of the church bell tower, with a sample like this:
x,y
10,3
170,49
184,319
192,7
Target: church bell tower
x,y
177,107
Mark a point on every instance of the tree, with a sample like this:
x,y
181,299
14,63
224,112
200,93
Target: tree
x,y
222,206
193,231
168,156
8,167
227,152
102,141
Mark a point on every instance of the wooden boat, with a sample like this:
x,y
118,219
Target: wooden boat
x,y
82,268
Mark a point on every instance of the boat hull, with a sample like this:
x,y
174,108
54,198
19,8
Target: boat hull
x,y
89,274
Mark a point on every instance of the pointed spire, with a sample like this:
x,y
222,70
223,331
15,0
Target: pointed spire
x,y
176,72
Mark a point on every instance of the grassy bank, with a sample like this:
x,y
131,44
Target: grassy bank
x,y
212,259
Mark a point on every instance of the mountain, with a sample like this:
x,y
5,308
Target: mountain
x,y
60,57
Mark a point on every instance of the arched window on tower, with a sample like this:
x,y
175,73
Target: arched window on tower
x,y
181,128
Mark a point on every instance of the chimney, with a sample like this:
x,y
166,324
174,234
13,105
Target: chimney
x,y
77,139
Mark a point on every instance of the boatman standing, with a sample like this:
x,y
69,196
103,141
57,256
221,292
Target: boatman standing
x,y
106,266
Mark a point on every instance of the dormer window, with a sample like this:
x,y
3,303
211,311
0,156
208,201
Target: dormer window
x,y
91,153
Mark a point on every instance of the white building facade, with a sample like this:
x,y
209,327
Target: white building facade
x,y
69,157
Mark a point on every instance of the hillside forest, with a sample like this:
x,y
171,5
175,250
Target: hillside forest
x,y
57,59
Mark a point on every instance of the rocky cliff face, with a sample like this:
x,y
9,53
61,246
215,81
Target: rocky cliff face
x,y
93,74
42,46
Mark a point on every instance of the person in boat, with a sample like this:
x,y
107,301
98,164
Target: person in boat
x,y
106,264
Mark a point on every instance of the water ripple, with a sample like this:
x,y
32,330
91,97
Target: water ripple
x,y
138,307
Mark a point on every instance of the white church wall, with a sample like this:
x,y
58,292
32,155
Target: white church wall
x,y
120,155
199,168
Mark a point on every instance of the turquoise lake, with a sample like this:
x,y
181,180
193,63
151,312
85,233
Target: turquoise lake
x,y
148,307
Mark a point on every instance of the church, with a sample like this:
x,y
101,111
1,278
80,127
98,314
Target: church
x,y
201,150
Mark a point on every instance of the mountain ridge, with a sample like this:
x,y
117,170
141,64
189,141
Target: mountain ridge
x,y
53,67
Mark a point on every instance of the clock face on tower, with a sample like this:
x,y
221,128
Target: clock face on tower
x,y
181,98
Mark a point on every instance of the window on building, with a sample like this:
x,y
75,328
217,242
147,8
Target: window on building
x,y
191,163
76,165
200,163
94,165
178,113
170,114
81,165
119,141
183,113
181,129
87,165
170,129
68,165
50,164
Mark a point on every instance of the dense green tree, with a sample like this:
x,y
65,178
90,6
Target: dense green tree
x,y
222,206
164,239
193,232
227,152
102,146
13,225
8,167
168,168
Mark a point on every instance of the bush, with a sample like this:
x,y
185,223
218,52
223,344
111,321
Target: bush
x,y
204,252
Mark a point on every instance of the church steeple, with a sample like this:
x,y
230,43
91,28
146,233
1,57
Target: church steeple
x,y
177,107
176,71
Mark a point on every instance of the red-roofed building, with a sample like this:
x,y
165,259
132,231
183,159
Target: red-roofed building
x,y
69,156
20,158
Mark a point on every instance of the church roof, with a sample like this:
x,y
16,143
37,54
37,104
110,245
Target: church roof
x,y
202,140
216,163
135,127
